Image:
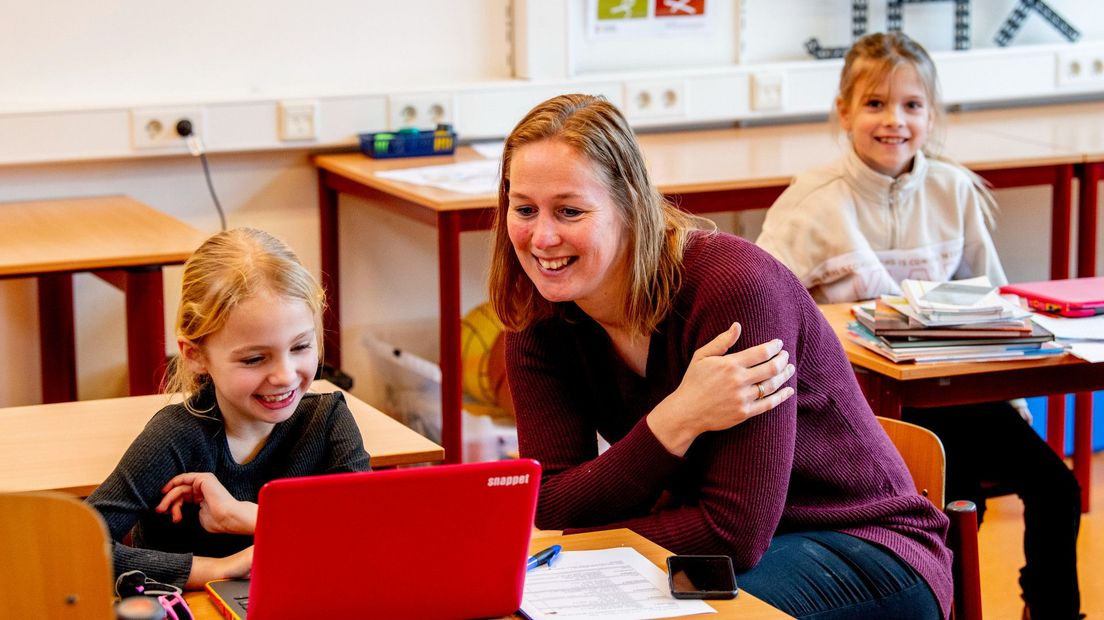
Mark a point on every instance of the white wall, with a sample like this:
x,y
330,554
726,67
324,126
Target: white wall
x,y
140,52
65,54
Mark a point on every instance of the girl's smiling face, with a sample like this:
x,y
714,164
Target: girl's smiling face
x,y
565,228
889,122
261,361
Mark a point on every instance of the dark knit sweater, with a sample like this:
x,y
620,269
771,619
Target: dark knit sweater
x,y
321,437
819,461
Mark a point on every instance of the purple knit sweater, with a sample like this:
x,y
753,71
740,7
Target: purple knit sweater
x,y
819,461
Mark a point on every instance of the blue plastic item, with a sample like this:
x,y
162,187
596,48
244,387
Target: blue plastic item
x,y
409,142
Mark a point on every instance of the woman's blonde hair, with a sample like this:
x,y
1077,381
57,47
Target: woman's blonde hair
x,y
655,230
871,61
227,269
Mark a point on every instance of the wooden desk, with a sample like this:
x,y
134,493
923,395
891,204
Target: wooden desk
x,y
745,606
73,446
889,387
705,171
117,238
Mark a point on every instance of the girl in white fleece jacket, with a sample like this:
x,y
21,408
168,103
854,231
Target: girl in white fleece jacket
x,y
888,211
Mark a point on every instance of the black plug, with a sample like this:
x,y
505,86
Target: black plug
x,y
184,128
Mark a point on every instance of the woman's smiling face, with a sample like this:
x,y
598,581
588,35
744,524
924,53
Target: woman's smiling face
x,y
565,228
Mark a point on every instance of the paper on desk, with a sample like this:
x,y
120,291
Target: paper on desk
x,y
1092,352
1082,337
470,177
1087,328
610,584
490,150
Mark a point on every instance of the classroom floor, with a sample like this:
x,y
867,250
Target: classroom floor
x,y
1000,543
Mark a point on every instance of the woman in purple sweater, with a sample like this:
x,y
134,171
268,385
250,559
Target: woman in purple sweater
x,y
630,320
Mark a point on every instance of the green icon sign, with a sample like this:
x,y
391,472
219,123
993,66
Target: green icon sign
x,y
622,9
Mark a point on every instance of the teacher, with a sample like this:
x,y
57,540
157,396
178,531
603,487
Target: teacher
x,y
734,421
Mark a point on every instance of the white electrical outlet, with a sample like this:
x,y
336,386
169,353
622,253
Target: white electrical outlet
x,y
1080,68
424,111
768,92
655,99
298,120
155,128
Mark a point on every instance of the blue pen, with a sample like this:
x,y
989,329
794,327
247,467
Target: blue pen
x,y
544,556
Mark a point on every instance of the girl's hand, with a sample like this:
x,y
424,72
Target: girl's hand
x,y
239,565
204,569
722,390
219,512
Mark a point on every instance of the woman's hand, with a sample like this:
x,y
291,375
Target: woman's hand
x,y
219,512
204,569
722,390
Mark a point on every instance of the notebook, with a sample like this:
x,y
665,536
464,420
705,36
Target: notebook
x,y
449,541
1075,297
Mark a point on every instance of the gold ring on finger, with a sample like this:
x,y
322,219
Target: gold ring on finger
x,y
762,392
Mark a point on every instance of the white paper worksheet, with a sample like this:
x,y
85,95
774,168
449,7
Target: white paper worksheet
x,y
469,177
609,584
1083,337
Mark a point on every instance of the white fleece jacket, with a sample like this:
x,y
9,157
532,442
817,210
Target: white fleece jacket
x,y
851,233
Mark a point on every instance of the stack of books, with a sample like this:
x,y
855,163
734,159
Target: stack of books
x,y
963,320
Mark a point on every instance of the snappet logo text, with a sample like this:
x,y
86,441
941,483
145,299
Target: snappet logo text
x,y
507,481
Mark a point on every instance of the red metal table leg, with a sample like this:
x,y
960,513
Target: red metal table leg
x,y
448,265
1061,226
331,275
1082,445
1087,214
145,320
1060,232
1056,424
57,337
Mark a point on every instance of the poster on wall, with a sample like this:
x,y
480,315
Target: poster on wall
x,y
646,18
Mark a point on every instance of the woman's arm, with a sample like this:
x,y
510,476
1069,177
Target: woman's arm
x,y
738,478
721,390
626,482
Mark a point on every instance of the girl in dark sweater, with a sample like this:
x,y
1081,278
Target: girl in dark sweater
x,y
249,331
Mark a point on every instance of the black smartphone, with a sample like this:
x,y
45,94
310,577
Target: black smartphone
x,y
701,576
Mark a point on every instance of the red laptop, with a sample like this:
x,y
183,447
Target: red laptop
x,y
449,541
1075,297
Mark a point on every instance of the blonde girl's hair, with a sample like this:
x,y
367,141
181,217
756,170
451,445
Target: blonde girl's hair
x,y
871,61
227,269
655,230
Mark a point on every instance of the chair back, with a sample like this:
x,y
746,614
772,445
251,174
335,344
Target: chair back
x,y
923,454
56,558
